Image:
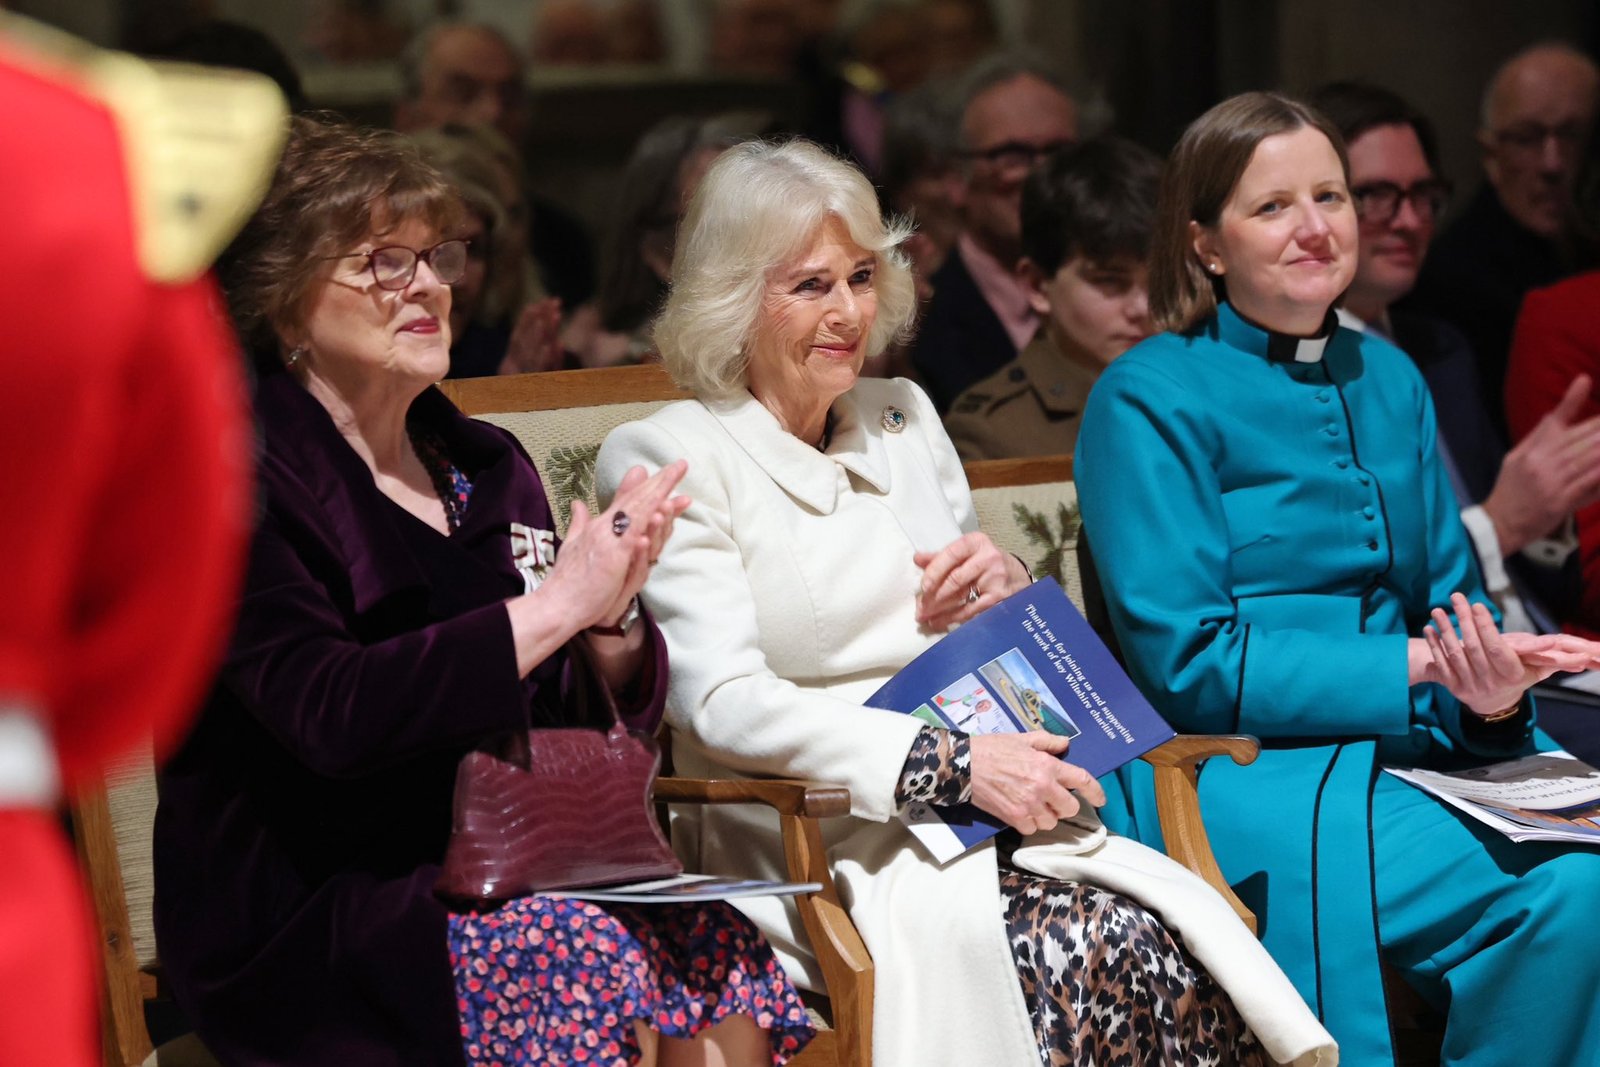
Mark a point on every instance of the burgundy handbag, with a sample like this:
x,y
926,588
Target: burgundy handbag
x,y
557,808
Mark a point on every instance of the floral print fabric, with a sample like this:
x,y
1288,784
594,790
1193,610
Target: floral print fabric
x,y
561,981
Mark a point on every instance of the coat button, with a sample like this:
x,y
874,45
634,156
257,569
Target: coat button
x,y
1322,397
1368,513
1342,464
1363,479
1372,546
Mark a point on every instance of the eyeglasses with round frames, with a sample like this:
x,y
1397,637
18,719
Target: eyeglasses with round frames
x,y
1379,202
394,266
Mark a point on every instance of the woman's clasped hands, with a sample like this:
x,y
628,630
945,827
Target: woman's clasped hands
x,y
963,578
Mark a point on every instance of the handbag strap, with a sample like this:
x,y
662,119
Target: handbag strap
x,y
586,701
586,687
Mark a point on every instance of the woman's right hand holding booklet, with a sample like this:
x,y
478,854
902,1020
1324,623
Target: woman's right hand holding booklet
x,y
1022,780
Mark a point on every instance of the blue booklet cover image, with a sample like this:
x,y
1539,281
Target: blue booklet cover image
x,y
1031,662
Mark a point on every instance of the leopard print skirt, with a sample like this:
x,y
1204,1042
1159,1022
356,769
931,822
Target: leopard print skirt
x,y
1105,983
1108,985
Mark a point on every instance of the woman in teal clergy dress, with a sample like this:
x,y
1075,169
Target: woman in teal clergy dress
x,y
1274,531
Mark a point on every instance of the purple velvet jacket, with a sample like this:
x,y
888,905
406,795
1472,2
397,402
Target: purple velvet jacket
x,y
300,828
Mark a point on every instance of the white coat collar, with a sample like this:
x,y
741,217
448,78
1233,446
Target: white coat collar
x,y
801,471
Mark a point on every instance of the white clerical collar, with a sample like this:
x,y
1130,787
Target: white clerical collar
x,y
1240,332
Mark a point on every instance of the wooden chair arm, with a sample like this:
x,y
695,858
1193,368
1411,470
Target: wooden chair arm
x,y
787,797
1193,749
842,956
1178,804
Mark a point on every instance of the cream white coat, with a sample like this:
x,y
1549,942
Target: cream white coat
x,y
787,596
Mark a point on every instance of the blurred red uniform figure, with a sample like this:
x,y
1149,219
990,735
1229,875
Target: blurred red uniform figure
x,y
1557,338
124,431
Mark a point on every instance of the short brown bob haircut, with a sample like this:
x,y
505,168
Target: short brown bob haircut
x,y
1198,179
335,188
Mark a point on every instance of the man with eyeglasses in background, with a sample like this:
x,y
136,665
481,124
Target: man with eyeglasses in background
x,y
1511,501
1014,112
1518,232
466,73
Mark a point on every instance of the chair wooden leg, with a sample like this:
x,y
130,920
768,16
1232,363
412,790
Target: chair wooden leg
x,y
1178,807
846,965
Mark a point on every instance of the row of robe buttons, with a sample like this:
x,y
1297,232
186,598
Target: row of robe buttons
x,y
1343,463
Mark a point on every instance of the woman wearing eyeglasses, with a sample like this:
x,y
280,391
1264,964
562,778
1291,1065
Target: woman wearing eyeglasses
x,y
1281,555
405,601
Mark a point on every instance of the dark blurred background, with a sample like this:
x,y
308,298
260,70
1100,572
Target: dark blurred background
x,y
602,71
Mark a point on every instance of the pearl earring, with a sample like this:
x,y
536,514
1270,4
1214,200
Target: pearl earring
x,y
295,354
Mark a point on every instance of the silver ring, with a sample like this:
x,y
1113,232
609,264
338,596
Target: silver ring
x,y
620,523
972,594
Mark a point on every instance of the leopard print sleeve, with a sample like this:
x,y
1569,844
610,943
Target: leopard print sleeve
x,y
938,769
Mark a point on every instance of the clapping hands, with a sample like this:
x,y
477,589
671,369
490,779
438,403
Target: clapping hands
x,y
606,558
1549,474
535,344
1563,652
1489,671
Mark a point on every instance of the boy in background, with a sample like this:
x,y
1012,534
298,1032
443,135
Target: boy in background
x,y
1087,212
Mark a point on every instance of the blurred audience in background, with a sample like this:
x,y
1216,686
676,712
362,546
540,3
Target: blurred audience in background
x,y
583,33
634,33
568,33
959,33
221,43
501,321
1518,230
469,73
1014,111
356,31
757,38
461,72
921,175
636,260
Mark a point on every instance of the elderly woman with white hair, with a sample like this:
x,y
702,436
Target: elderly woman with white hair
x,y
832,538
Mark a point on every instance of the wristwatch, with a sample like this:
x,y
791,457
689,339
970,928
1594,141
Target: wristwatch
x,y
620,628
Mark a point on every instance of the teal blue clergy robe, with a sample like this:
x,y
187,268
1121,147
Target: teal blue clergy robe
x,y
1269,533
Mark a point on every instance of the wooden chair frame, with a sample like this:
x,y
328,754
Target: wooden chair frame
x,y
124,1038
